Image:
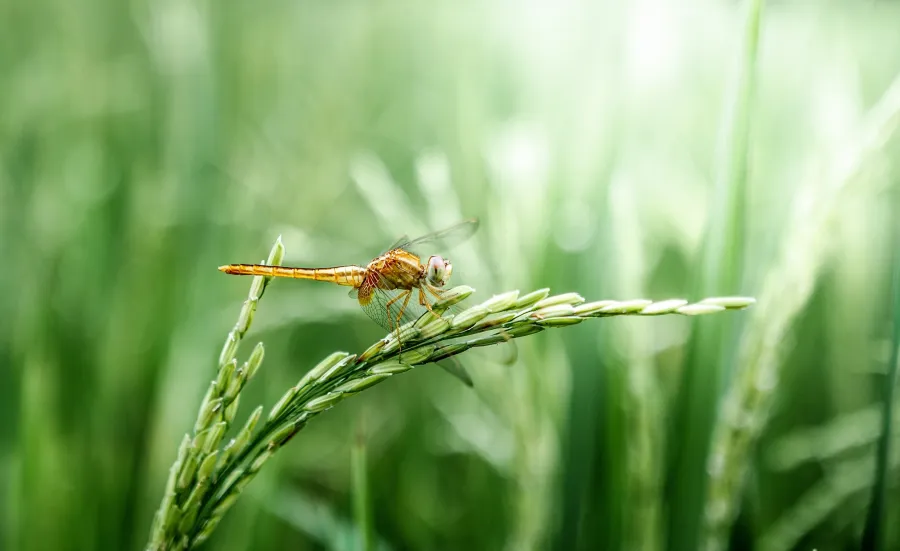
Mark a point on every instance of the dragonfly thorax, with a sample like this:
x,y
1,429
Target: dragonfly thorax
x,y
437,271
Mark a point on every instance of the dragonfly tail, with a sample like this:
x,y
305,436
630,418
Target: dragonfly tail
x,y
351,276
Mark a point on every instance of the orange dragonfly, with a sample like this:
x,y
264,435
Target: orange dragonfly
x,y
385,286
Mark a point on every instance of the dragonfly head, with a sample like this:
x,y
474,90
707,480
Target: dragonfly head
x,y
438,271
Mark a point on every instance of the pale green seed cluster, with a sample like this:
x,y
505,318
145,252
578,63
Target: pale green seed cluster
x,y
433,338
201,461
508,315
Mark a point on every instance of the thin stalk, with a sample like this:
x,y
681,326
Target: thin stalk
x,y
710,350
362,511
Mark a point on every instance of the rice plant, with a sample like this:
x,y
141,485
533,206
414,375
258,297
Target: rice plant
x,y
205,480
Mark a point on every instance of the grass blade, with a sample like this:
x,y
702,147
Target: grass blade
x,y
362,511
872,534
722,266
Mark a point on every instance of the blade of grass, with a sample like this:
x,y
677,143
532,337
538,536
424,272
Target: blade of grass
x,y
642,400
362,512
709,350
593,436
843,485
845,434
872,534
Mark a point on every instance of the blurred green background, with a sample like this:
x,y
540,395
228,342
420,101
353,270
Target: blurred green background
x,y
143,144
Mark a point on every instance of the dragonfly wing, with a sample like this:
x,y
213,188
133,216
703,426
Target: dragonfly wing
x,y
442,239
388,308
396,244
385,307
396,307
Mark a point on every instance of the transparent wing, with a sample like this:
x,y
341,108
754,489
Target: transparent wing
x,y
393,308
396,244
442,239
389,308
385,307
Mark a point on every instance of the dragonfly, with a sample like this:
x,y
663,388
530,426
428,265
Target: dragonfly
x,y
386,286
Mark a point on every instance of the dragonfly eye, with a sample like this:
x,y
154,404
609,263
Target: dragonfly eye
x,y
438,271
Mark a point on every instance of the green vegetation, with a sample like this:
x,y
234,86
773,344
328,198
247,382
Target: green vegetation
x,y
635,151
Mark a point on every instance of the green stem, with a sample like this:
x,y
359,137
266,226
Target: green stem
x,y
710,350
361,510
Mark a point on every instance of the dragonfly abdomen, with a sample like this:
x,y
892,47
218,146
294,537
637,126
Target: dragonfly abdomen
x,y
351,276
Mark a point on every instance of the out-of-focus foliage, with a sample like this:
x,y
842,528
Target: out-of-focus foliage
x,y
143,144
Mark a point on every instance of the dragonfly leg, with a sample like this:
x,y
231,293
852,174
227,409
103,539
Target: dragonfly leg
x,y
400,315
403,308
423,300
434,291
390,316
